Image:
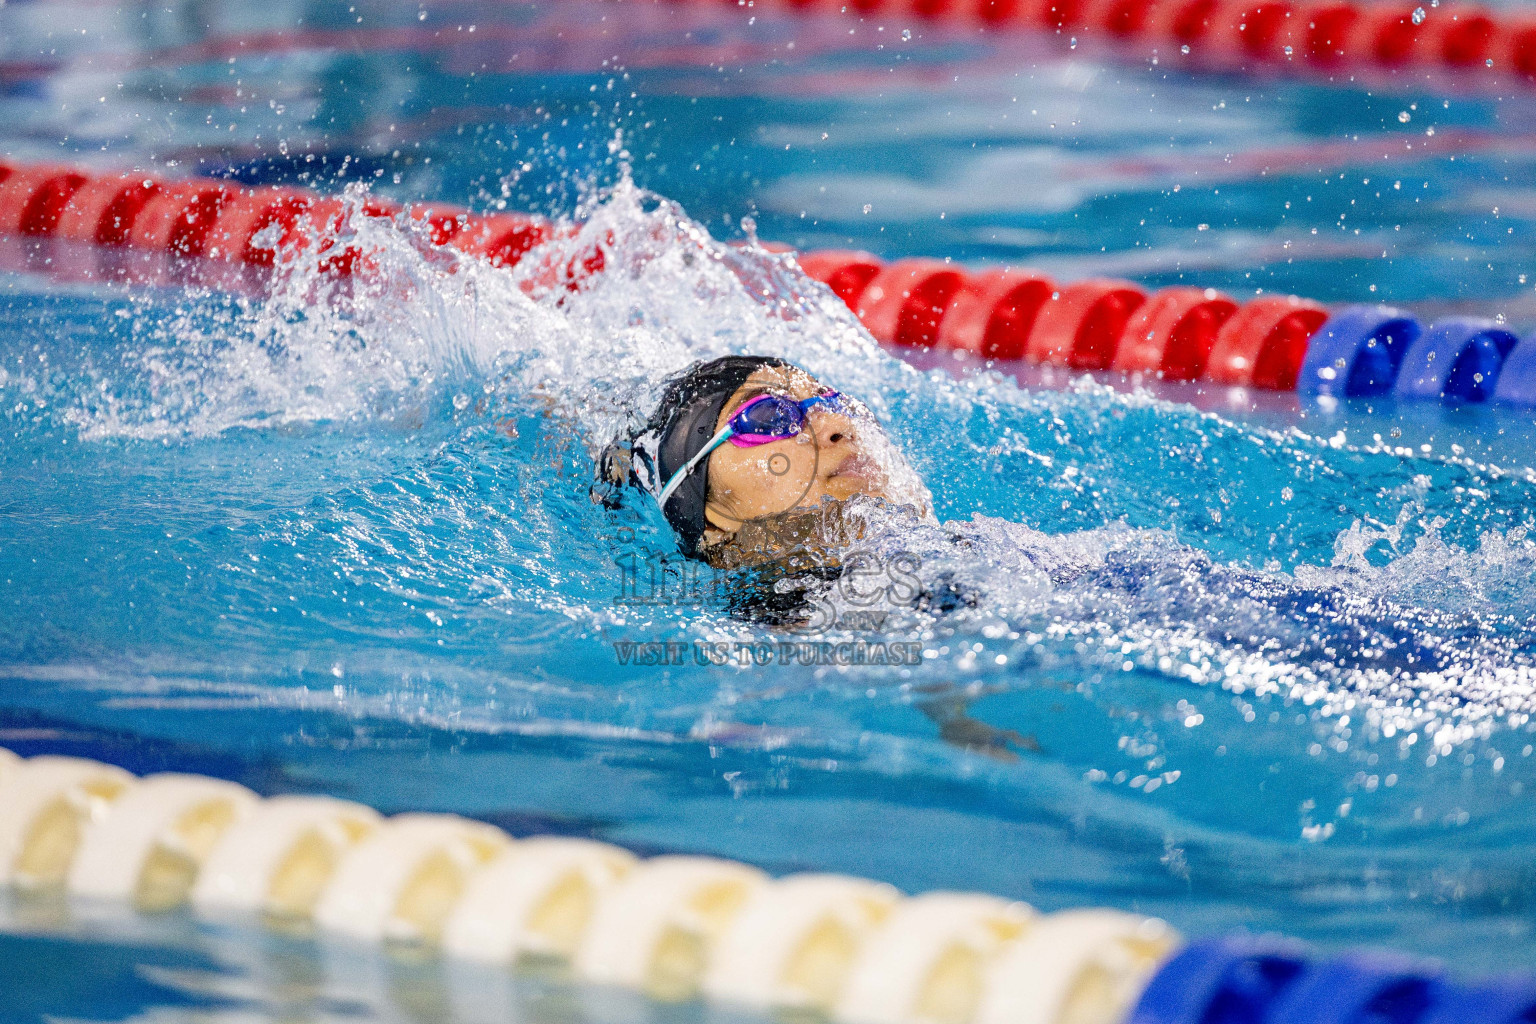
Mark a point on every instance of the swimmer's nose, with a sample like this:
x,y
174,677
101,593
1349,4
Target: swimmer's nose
x,y
834,427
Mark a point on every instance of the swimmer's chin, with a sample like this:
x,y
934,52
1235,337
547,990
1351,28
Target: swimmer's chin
x,y
871,487
807,537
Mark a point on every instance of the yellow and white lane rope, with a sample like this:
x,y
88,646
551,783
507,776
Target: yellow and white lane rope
x,y
45,804
534,899
1075,966
655,930
403,881
277,860
149,844
851,950
794,941
928,964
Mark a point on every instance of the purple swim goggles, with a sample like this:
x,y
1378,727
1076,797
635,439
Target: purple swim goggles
x,y
759,420
775,417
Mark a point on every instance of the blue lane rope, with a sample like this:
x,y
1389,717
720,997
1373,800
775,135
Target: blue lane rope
x,y
1248,979
1455,360
1357,352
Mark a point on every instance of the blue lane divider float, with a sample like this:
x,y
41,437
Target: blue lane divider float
x,y
1455,360
1517,378
1228,978
1357,352
1358,988
1248,979
1502,1001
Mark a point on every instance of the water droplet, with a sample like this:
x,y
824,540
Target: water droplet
x,y
868,207
1489,62
1419,15
1184,48
1288,51
1403,116
906,35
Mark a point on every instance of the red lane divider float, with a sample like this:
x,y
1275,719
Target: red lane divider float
x,y
103,211
1264,344
224,222
1081,324
905,301
1279,343
994,313
1173,332
1327,36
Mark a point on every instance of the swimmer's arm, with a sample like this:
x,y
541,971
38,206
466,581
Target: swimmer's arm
x,y
951,713
507,425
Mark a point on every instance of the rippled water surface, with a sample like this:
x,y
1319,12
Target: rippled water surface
x,y
1227,659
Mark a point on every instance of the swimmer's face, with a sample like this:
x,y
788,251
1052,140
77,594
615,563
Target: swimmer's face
x,y
829,459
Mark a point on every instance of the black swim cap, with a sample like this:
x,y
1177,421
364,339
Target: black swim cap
x,y
681,426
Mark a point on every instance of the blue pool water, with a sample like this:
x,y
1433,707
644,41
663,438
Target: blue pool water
x,y
1232,660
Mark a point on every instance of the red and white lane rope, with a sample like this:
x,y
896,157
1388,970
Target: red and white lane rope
x,y
1183,333
1179,333
1321,36
1278,343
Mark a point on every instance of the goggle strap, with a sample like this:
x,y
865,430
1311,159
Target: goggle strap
x,y
682,474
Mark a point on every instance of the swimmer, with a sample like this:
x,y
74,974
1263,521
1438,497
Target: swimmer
x,y
750,457
755,464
